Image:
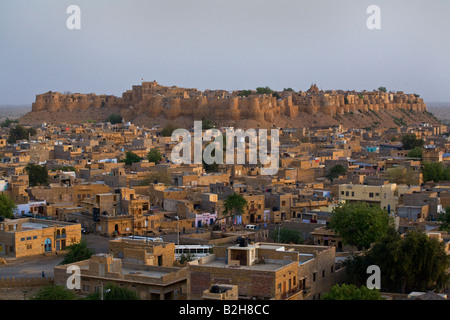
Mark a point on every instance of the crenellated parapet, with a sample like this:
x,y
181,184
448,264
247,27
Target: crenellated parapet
x,y
154,100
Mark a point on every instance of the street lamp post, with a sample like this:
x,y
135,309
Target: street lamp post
x,y
103,292
178,231
146,230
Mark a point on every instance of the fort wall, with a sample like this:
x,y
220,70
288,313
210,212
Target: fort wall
x,y
154,100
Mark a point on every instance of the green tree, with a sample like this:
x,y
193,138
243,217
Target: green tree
x,y
214,167
51,292
444,219
154,155
32,132
186,257
207,124
264,90
401,175
38,175
336,171
351,292
287,236
115,118
435,171
168,129
415,153
130,158
413,263
113,292
20,133
276,95
77,252
8,122
382,89
410,142
7,206
288,89
359,224
245,93
234,205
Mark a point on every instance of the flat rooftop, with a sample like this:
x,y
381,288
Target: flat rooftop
x,y
144,273
34,226
267,266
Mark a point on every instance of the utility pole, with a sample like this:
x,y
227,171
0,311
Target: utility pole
x,y
103,292
132,226
146,230
178,232
279,232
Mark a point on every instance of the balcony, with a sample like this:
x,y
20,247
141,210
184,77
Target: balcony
x,y
291,293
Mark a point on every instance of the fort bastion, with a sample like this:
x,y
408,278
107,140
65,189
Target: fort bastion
x,y
153,100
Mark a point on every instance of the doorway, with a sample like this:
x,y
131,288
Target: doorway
x,y
48,245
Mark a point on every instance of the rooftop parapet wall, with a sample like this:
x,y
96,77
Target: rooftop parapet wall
x,y
154,100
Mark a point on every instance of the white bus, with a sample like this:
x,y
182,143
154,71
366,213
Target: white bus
x,y
144,239
198,251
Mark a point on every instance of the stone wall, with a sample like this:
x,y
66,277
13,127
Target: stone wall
x,y
17,282
153,100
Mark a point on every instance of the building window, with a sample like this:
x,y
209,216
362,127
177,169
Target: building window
x,y
314,276
371,195
353,193
377,194
323,273
346,193
22,239
332,269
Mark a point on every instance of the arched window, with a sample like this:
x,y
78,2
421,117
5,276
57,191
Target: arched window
x,y
48,245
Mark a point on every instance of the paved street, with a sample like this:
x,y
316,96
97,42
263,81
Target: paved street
x,y
30,267
97,243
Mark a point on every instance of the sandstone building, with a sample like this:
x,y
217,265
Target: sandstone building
x,y
29,236
154,100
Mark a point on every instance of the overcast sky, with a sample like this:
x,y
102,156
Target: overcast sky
x,y
226,44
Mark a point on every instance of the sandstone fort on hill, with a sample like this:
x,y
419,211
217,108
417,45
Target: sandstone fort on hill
x,y
151,103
